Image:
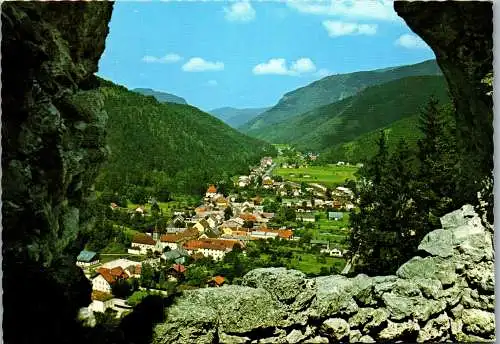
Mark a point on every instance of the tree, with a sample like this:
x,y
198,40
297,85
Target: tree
x,y
147,276
197,276
121,288
290,214
228,213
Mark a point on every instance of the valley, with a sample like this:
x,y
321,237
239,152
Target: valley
x,y
192,202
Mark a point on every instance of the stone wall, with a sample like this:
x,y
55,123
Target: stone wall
x,y
53,128
447,293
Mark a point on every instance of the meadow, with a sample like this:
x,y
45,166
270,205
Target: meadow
x,y
328,175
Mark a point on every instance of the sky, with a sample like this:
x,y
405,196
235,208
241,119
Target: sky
x,y
250,53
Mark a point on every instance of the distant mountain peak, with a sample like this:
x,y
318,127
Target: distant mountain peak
x,y
162,97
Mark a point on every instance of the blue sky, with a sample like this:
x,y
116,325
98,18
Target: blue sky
x,y
250,53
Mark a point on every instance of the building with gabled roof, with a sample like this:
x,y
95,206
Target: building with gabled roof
x,y
143,243
87,258
214,248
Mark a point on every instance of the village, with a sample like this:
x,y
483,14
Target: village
x,y
264,207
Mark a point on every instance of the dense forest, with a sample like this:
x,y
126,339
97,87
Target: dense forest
x,y
403,193
375,107
162,148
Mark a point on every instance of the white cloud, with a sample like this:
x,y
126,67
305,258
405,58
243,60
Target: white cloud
x,y
357,9
303,65
212,83
411,42
169,58
197,64
278,66
240,12
338,28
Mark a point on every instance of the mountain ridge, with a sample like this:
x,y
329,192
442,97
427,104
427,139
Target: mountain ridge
x,y
162,97
329,90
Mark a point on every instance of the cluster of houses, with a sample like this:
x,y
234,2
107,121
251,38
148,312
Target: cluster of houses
x,y
208,232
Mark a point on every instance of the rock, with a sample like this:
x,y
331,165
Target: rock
x,y
369,318
478,247
398,330
482,276
400,287
335,328
235,309
431,288
228,339
460,217
317,340
429,267
478,322
417,307
472,299
438,243
435,329
295,336
354,335
452,295
366,339
50,52
288,286
333,296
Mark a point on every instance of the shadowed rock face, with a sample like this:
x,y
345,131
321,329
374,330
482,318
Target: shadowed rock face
x,y
53,130
460,34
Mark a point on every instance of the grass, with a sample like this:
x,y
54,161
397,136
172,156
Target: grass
x,y
328,175
309,264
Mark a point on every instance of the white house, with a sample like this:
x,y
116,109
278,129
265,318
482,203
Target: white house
x,y
99,283
213,248
143,243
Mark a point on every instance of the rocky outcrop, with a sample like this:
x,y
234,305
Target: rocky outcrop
x,y
446,293
53,130
460,34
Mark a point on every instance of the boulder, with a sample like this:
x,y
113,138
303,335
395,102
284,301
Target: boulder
x,y
290,287
438,243
418,308
335,328
481,276
334,295
317,340
369,318
430,267
295,336
398,330
478,322
463,216
435,330
228,339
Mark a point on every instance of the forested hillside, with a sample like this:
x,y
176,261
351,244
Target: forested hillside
x,y
329,90
236,117
169,147
375,107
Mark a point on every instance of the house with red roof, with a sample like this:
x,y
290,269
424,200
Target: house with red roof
x,y
107,277
211,191
217,281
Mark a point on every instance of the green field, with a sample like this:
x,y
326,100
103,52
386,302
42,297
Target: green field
x,y
309,263
329,175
